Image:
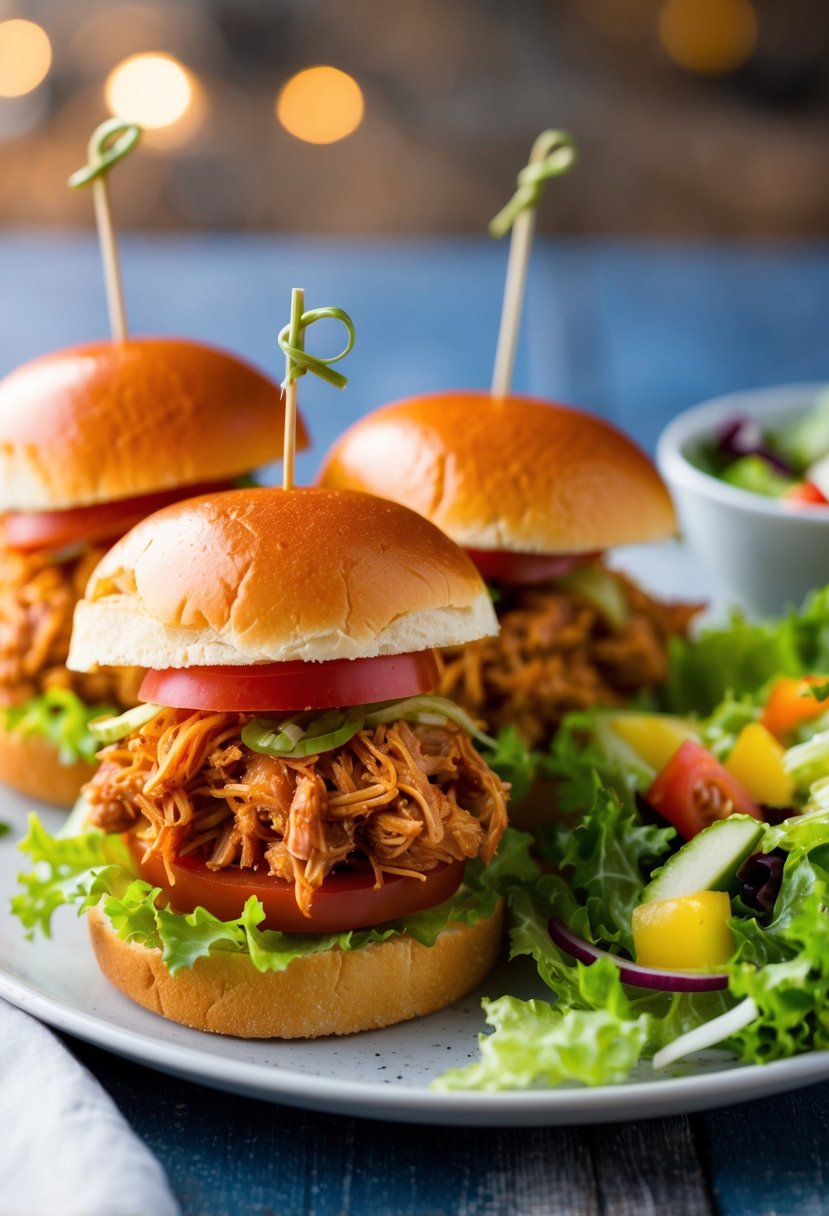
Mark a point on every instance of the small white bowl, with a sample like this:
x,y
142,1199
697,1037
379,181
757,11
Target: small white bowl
x,y
768,554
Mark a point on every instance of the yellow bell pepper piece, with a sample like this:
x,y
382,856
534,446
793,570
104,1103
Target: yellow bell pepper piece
x,y
756,761
654,737
691,933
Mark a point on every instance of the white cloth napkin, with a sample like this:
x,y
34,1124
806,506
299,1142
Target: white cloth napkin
x,y
65,1149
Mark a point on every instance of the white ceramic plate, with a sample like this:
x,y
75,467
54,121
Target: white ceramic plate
x,y
385,1074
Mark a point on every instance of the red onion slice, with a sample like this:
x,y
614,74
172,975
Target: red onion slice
x,y
632,973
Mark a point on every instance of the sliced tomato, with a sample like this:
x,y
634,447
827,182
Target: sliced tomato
x,y
296,685
519,569
694,789
346,900
790,703
28,530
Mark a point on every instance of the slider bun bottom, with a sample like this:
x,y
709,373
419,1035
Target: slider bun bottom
x,y
337,992
30,764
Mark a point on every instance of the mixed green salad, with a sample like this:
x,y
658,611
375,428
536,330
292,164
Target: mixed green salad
x,y
688,908
788,462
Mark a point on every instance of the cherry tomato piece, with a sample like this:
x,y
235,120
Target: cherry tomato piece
x,y
694,789
346,900
28,530
520,569
790,703
296,685
805,494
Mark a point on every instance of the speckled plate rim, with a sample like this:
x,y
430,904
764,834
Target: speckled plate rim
x,y
635,1100
275,1082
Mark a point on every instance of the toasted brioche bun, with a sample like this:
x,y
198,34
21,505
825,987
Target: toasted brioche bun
x,y
114,420
337,992
511,473
267,575
30,764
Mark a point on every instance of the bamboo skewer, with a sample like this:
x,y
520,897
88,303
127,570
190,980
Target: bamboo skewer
x,y
110,143
552,154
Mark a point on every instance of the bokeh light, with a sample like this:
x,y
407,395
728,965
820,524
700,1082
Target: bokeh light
x,y
708,36
154,90
631,20
321,105
25,57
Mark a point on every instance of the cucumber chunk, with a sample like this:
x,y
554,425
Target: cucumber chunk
x,y
709,862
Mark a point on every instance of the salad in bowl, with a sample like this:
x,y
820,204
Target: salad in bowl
x,y
749,474
788,460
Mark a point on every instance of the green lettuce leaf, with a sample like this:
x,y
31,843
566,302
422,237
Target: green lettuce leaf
x,y
94,868
529,914
63,718
572,763
608,858
533,1041
811,630
791,995
67,870
719,731
512,760
758,943
805,838
741,657
586,747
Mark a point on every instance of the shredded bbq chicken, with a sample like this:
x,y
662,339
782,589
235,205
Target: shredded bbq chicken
x,y
555,653
402,798
38,594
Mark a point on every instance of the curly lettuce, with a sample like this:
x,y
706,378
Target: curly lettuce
x,y
791,995
536,1042
608,857
61,717
587,748
95,869
513,761
742,656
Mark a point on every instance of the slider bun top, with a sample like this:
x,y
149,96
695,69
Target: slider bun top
x,y
512,473
114,420
269,575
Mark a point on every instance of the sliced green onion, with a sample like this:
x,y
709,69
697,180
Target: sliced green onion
x,y
427,710
310,734
111,729
322,733
601,590
292,731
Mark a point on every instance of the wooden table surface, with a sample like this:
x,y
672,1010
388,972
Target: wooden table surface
x,y
636,332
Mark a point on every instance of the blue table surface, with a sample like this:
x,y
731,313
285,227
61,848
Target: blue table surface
x,y
633,331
